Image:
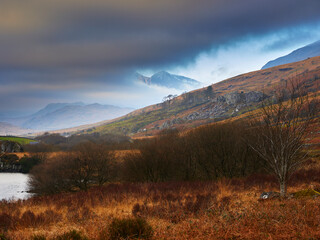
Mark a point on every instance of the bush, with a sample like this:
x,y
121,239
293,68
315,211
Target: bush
x,y
89,164
130,228
6,222
71,235
38,237
27,163
3,237
205,153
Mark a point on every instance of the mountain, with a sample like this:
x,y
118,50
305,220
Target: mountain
x,y
54,107
230,98
311,50
168,80
66,115
74,115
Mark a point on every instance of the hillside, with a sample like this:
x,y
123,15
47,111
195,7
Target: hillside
x,y
311,50
229,98
19,140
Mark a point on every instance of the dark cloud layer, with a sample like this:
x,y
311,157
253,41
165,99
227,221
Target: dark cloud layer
x,y
81,40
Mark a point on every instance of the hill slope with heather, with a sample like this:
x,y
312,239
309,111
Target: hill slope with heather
x,y
223,100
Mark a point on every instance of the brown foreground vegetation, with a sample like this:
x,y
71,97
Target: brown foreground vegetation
x,y
225,209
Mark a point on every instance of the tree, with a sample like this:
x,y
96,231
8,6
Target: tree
x,y
99,161
280,130
89,164
154,161
209,91
166,101
221,151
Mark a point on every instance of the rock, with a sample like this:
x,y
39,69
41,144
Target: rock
x,y
221,99
235,97
169,123
10,147
269,195
220,107
254,96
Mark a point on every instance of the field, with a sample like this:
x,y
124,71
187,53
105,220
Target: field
x,y
225,209
19,140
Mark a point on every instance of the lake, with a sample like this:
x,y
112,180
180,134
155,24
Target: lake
x,y
13,186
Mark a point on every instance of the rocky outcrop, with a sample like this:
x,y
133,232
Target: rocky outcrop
x,y
169,123
237,98
220,107
10,147
226,105
209,112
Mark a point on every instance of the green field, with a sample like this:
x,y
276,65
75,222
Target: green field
x,y
19,140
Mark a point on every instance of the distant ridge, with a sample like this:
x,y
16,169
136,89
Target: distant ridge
x,y
311,50
66,115
168,80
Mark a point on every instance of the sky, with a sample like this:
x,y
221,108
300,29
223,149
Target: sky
x,y
79,50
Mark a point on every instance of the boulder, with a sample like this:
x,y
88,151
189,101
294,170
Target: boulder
x,y
254,96
10,147
234,97
269,195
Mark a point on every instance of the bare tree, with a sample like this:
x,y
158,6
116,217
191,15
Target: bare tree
x,y
99,160
280,130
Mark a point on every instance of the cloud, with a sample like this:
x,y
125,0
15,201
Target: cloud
x,y
103,34
102,41
246,54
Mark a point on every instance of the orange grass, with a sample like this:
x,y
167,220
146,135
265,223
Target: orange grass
x,y
226,209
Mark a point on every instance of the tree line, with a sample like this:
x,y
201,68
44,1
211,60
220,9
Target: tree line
x,y
207,153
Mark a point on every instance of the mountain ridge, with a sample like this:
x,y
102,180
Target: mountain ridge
x,y
300,54
166,79
66,115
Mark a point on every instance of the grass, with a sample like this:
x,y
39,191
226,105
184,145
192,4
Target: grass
x,y
132,124
225,209
19,140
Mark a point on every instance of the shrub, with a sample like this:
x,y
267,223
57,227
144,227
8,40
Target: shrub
x,y
3,237
130,228
6,222
38,237
71,235
306,193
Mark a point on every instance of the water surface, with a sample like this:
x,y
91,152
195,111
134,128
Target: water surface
x,y
14,186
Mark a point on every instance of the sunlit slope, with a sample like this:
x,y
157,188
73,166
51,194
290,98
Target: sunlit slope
x,y
19,140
